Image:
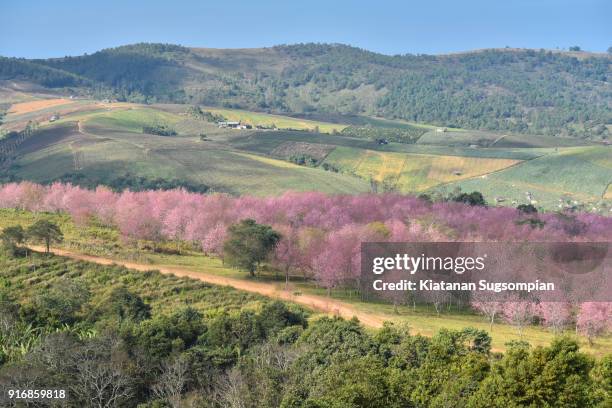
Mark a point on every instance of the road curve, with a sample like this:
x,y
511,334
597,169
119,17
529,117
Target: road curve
x,y
315,302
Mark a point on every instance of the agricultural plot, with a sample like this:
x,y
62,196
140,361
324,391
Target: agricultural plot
x,y
112,145
281,122
132,120
267,142
608,193
412,172
581,174
108,142
487,139
32,106
288,150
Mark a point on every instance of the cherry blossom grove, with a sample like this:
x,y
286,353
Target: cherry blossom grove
x,y
321,233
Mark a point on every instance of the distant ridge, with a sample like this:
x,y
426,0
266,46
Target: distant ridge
x,y
553,92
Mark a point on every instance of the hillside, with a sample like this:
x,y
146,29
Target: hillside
x,y
523,91
90,143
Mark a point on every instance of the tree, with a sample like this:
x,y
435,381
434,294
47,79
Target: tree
x,y
288,253
520,313
527,209
556,315
61,303
488,307
610,50
248,244
594,319
172,381
11,238
574,48
125,305
46,231
553,376
475,198
102,379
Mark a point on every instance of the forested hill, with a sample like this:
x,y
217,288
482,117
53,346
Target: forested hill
x,y
548,92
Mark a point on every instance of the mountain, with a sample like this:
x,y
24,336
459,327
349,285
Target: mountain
x,y
517,90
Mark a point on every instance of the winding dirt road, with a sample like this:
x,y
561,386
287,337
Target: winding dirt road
x,y
319,303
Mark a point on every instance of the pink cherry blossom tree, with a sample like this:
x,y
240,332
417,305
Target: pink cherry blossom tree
x,y
556,315
594,319
520,313
488,307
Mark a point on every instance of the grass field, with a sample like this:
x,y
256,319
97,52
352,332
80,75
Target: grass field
x,y
608,194
412,172
581,174
281,122
104,241
109,143
489,139
267,142
113,145
132,120
31,106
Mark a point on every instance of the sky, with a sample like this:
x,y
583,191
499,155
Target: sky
x,y
44,28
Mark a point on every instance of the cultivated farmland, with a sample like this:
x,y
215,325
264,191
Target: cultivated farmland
x,y
97,142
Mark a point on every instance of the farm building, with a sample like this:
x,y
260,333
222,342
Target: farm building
x,y
233,125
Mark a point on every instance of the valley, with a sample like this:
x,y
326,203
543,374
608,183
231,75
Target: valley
x,y
90,142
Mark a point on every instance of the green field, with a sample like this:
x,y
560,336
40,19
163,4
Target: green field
x,y
412,172
497,140
100,142
111,144
581,174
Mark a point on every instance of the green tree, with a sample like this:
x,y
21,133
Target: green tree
x,y
61,304
126,305
474,198
554,376
11,238
249,244
527,208
46,231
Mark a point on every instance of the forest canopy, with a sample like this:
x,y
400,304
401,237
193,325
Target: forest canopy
x,y
525,91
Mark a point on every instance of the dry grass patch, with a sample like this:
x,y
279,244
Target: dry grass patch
x,y
33,106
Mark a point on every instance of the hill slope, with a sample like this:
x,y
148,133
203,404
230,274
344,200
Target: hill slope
x,y
516,90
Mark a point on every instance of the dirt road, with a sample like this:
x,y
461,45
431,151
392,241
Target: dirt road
x,y
319,303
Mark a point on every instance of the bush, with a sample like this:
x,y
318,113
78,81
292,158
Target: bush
x,y
159,130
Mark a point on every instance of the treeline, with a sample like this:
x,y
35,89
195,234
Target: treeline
x,y
197,113
131,182
159,130
405,134
114,337
523,91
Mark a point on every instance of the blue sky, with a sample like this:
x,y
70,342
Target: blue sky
x,y
65,27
